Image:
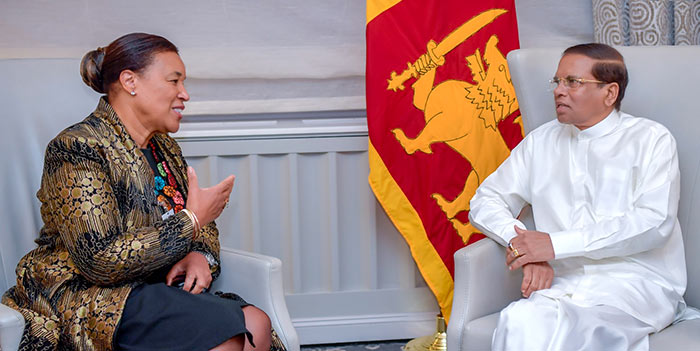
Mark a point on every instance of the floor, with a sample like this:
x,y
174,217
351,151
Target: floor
x,y
391,345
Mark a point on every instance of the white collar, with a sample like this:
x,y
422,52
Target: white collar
x,y
605,126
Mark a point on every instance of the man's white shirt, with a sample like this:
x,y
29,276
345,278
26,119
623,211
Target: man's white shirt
x,y
608,196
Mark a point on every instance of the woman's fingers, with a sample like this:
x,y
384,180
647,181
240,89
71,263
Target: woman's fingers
x,y
189,282
226,185
192,181
194,270
202,280
175,271
197,288
207,203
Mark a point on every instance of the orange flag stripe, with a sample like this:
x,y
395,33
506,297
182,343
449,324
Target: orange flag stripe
x,y
409,224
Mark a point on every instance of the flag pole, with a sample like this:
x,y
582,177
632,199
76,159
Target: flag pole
x,y
435,342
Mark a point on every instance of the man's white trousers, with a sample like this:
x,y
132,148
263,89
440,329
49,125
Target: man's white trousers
x,y
554,324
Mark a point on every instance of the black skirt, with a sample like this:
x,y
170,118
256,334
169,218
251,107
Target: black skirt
x,y
161,317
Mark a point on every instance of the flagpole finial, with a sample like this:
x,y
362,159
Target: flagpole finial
x,y
435,342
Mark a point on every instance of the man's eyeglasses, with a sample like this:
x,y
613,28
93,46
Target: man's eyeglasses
x,y
571,82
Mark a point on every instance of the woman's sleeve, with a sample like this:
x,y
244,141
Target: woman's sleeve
x,y
79,191
207,242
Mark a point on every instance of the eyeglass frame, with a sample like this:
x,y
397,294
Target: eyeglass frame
x,y
571,80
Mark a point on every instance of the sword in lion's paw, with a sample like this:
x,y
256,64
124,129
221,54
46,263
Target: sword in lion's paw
x,y
436,52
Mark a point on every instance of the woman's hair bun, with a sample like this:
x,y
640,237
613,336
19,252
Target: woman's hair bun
x,y
101,68
91,69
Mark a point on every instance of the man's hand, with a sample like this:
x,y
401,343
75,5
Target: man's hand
x,y
536,276
528,247
195,268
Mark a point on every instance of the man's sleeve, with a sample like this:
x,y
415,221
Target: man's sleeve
x,y
645,226
501,196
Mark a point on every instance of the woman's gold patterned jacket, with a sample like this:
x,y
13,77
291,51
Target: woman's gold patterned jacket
x,y
102,233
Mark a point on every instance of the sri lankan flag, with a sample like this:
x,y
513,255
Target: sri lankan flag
x,y
442,115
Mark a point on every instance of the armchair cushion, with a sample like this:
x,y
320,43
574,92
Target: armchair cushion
x,y
480,332
681,336
11,328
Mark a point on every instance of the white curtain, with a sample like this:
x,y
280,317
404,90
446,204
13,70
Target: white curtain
x,y
241,56
262,56
647,22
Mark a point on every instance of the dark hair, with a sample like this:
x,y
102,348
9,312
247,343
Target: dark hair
x,y
610,67
101,67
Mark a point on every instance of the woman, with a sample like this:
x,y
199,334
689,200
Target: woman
x,y
129,243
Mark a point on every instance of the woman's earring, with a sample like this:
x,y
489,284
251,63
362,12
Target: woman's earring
x,y
133,93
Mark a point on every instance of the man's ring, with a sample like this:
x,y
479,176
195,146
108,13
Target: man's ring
x,y
513,250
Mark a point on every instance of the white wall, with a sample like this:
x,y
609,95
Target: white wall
x,y
301,194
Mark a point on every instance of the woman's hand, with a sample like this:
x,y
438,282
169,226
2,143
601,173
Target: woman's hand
x,y
195,268
207,203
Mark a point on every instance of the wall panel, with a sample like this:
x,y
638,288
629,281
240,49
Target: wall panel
x,y
303,196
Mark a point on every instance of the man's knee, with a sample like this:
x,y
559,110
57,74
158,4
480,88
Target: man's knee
x,y
525,324
525,314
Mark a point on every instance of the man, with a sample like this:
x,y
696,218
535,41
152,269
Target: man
x,y
605,266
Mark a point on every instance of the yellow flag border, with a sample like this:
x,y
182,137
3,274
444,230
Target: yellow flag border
x,y
376,7
406,219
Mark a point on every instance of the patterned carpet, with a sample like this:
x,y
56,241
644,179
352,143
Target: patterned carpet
x,y
391,345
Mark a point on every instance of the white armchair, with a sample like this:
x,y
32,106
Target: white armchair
x,y
663,86
258,279
40,97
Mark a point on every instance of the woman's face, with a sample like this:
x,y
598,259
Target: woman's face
x,y
160,93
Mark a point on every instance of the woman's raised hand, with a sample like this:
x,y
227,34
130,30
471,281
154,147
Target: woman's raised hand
x,y
207,203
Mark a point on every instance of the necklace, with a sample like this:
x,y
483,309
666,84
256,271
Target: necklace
x,y
166,188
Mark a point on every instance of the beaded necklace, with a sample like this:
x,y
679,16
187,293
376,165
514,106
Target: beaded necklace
x,y
166,186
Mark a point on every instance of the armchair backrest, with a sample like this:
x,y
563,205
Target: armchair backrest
x,y
39,98
664,87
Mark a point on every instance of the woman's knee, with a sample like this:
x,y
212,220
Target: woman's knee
x,y
256,318
236,343
258,323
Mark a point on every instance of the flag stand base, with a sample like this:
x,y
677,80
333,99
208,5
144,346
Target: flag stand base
x,y
436,342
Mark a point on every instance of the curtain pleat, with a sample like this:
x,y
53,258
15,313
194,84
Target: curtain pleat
x,y
644,22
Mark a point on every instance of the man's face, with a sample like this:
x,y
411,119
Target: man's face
x,y
583,106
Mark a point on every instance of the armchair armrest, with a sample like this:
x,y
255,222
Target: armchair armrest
x,y
258,279
483,285
11,328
